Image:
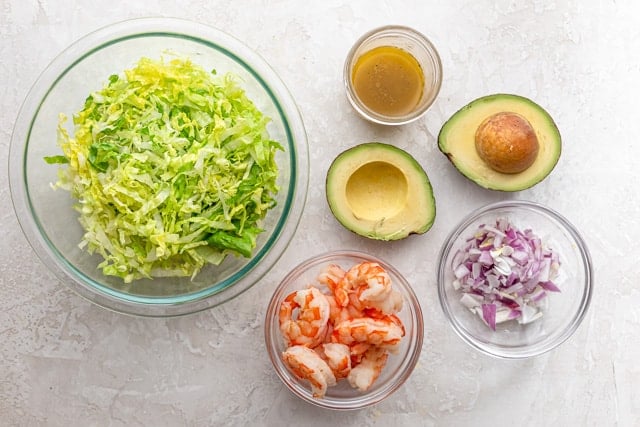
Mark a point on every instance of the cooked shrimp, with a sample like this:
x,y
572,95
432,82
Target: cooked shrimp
x,y
306,364
331,276
304,317
338,357
339,314
358,351
384,332
367,371
389,304
368,285
369,279
336,313
343,331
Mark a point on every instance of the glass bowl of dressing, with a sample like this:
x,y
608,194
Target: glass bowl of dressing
x,y
392,75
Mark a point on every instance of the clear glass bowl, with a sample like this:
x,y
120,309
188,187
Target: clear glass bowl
x,y
411,41
47,217
399,366
563,311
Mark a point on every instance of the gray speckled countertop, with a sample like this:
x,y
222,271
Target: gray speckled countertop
x,y
64,361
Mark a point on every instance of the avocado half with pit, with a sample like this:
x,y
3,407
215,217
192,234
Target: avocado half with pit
x,y
502,142
381,192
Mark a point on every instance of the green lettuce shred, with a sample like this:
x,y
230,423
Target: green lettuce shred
x,y
172,168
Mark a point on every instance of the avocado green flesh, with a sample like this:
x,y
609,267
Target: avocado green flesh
x,y
381,192
457,141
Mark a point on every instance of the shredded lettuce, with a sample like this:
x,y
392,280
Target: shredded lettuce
x,y
172,168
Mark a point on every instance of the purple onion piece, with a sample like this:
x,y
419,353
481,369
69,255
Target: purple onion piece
x,y
505,271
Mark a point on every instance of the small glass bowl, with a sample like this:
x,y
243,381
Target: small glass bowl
x,y
564,310
410,41
399,366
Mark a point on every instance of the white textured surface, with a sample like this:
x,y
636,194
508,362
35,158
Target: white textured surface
x,y
64,361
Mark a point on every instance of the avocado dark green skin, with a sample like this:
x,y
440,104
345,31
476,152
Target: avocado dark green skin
x,y
416,217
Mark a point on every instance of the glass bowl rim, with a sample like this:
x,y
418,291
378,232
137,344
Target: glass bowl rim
x,y
585,263
237,52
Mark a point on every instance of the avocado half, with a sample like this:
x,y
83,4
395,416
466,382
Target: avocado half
x,y
457,141
381,192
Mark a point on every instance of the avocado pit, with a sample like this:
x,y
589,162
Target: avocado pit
x,y
507,142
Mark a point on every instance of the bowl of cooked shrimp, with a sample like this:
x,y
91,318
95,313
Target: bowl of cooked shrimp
x,y
344,330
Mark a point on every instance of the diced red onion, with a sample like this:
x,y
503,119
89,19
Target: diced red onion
x,y
489,315
471,300
549,286
485,258
461,271
504,273
493,281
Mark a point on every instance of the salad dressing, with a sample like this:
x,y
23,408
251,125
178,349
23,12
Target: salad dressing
x,y
388,80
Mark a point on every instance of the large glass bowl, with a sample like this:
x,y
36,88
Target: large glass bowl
x,y
399,365
562,311
47,217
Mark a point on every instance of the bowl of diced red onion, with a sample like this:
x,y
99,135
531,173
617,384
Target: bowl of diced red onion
x,y
515,279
